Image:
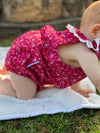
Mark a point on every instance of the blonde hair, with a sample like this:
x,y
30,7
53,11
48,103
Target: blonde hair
x,y
91,15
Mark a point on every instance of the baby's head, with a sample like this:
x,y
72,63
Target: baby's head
x,y
90,23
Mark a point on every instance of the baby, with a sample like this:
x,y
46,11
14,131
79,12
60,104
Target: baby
x,y
59,58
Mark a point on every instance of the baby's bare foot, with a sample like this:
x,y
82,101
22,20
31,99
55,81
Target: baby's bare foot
x,y
3,70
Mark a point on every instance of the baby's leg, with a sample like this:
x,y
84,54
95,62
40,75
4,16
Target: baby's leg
x,y
76,87
18,86
25,88
6,87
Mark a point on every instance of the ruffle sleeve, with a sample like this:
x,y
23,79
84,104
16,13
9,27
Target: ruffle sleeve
x,y
94,45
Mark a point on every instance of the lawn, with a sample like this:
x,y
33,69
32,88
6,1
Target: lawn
x,y
80,121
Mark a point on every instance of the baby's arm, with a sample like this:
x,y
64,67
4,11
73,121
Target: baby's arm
x,y
78,55
88,61
90,65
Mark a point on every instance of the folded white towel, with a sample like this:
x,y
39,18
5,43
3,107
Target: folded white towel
x,y
48,101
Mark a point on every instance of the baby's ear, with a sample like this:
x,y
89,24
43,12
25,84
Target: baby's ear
x,y
94,31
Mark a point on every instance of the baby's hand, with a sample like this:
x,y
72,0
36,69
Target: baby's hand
x,y
3,71
85,92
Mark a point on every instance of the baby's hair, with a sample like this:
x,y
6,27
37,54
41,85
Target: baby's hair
x,y
91,15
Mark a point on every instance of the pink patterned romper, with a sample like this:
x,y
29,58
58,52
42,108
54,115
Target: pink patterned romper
x,y
34,55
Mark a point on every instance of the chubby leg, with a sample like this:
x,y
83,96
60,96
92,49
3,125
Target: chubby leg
x,y
20,87
6,87
25,88
76,87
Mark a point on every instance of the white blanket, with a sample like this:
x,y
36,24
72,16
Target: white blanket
x,y
49,101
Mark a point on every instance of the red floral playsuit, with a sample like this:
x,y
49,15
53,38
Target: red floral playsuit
x,y
34,55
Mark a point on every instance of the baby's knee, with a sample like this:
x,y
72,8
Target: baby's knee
x,y
25,88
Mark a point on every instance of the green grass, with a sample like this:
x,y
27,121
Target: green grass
x,y
81,121
6,42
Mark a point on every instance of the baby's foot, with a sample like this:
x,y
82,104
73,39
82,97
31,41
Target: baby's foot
x,y
85,92
3,70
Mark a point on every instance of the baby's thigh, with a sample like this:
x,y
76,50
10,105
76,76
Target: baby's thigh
x,y
25,88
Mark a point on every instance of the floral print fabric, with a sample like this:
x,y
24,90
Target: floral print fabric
x,y
34,55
